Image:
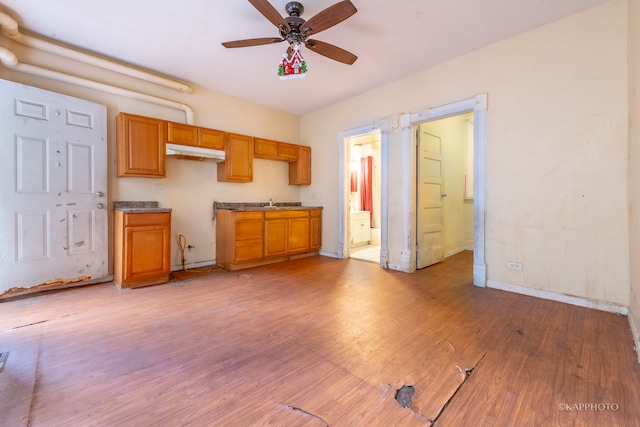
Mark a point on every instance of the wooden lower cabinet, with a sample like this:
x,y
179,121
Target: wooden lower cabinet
x,y
250,238
142,248
315,228
286,232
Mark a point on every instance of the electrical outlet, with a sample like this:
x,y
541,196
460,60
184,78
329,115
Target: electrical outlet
x,y
222,187
514,266
158,187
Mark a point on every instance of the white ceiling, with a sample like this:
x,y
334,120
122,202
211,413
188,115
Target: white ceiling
x,y
392,39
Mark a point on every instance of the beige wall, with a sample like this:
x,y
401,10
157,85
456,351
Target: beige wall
x,y
190,187
634,167
556,151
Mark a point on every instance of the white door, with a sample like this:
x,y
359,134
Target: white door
x,y
53,188
430,193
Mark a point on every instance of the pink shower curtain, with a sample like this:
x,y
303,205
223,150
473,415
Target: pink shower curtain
x,y
366,193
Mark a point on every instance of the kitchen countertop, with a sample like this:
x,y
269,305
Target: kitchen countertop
x,y
139,207
261,206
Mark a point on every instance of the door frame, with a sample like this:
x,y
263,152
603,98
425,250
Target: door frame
x,y
384,127
409,123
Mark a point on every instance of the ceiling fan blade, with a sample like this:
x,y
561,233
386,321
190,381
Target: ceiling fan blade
x,y
331,51
328,17
270,12
252,42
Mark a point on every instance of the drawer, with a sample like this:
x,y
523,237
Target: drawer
x,y
286,214
249,229
248,215
248,250
147,218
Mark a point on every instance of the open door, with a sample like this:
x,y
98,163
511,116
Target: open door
x,y
430,217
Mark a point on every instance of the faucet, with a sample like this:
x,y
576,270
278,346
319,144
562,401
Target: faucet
x,y
272,203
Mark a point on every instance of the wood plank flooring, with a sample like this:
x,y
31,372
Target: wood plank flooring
x,y
314,342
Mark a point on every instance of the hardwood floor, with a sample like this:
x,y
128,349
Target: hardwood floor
x,y
314,342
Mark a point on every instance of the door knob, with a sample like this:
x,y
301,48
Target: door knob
x,y
100,206
99,194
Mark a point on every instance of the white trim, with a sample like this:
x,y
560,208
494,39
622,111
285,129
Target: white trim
x,y
408,123
329,254
384,127
634,333
555,296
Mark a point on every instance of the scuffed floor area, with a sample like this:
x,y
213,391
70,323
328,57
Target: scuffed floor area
x,y
314,342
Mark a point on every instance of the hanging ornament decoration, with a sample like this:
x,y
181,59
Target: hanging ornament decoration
x,y
293,65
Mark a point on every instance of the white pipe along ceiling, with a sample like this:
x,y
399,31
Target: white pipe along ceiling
x,y
10,60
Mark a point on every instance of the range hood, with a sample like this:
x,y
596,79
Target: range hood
x,y
195,153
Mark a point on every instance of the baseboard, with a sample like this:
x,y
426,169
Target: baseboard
x,y
193,265
555,296
634,333
328,254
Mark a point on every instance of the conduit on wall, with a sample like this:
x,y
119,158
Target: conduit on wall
x,y
10,60
10,29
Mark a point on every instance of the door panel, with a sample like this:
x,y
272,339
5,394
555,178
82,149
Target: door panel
x,y
430,192
53,185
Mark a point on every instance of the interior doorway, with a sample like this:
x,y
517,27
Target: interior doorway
x,y
364,218
444,205
409,123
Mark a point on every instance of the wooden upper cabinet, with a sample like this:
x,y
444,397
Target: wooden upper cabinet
x,y
184,134
238,164
141,146
265,149
300,169
288,152
275,150
211,138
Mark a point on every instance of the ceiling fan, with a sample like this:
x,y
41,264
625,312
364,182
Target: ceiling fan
x,y
296,30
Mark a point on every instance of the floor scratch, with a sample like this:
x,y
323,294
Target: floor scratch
x,y
467,374
295,408
30,324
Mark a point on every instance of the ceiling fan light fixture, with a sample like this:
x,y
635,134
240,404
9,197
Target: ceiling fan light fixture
x,y
293,65
295,31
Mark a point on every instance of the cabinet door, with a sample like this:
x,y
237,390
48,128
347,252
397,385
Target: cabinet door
x,y
238,164
298,240
146,252
266,149
183,134
315,226
300,170
211,138
287,151
141,146
275,231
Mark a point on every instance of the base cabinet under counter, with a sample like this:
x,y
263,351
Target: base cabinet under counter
x,y
250,238
142,248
